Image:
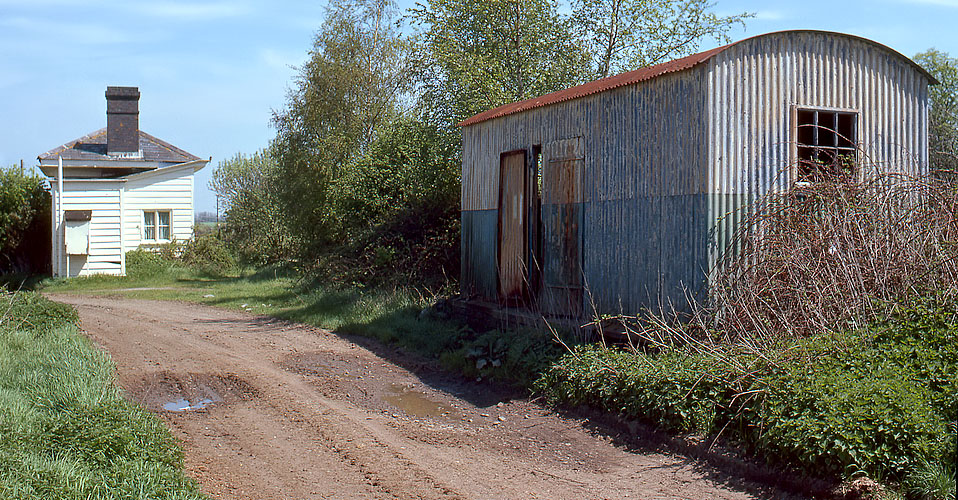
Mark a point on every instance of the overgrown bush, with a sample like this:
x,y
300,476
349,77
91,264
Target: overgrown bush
x,y
516,356
31,311
143,263
24,222
876,401
256,227
209,254
837,255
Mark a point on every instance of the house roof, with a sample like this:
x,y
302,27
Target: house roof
x,y
648,73
92,147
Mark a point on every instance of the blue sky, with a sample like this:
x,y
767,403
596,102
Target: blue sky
x,y
210,73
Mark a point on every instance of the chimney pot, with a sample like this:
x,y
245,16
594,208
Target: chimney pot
x,y
123,121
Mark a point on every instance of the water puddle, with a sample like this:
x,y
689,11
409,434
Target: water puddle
x,y
185,405
416,404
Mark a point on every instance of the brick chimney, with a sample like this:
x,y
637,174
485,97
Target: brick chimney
x,y
123,121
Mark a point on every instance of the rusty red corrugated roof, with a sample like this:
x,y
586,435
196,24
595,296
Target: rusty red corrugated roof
x,y
649,73
594,87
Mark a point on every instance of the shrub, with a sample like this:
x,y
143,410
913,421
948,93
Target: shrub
x,y
516,356
142,263
24,222
31,311
876,400
208,254
836,255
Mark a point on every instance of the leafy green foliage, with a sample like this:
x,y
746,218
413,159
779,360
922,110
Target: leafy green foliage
x,y
407,168
24,221
517,356
250,189
482,54
209,254
943,118
359,69
142,264
66,431
877,401
623,35
937,479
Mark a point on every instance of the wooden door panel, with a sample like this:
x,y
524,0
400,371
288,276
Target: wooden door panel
x,y
513,244
561,227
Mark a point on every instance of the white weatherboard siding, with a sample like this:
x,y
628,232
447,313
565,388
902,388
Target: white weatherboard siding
x,y
117,207
170,189
103,200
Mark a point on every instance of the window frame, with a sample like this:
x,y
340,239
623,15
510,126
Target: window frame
x,y
852,149
156,225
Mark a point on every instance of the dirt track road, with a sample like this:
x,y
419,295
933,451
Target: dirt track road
x,y
300,413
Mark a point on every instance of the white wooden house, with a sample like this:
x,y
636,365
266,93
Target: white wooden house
x,y
115,190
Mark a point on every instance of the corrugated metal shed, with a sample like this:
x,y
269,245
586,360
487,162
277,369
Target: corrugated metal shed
x,y
672,155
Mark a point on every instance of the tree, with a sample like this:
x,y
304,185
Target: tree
x,y
622,35
24,222
480,54
943,116
354,82
250,189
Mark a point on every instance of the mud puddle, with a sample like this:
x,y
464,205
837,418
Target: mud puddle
x,y
176,392
417,403
185,405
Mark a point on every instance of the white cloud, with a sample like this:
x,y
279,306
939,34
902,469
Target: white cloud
x,y
769,15
73,32
187,11
939,3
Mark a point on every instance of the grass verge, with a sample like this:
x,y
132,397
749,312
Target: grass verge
x,y
66,431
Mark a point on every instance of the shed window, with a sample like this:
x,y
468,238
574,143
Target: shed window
x,y
826,143
156,225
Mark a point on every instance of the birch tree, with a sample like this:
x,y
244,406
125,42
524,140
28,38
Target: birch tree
x,y
480,54
622,35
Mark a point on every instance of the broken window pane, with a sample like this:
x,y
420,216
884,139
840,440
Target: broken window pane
x,y
826,143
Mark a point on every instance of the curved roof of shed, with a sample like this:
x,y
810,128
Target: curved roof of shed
x,y
93,147
651,72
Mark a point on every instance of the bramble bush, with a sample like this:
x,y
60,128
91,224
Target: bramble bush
x,y
877,401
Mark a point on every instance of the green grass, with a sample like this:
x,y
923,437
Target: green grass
x,y
65,430
391,316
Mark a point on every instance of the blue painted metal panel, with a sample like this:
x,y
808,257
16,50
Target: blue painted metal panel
x,y
478,266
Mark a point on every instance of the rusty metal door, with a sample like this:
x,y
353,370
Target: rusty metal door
x,y
561,227
513,235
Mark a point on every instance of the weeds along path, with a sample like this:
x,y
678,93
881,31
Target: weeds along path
x,y
286,411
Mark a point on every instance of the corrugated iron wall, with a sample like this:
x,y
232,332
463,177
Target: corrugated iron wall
x,y
643,184
672,163
753,87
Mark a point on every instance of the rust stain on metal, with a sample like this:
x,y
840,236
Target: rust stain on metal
x,y
595,87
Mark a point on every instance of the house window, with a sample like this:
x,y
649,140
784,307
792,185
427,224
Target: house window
x,y
156,225
826,143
